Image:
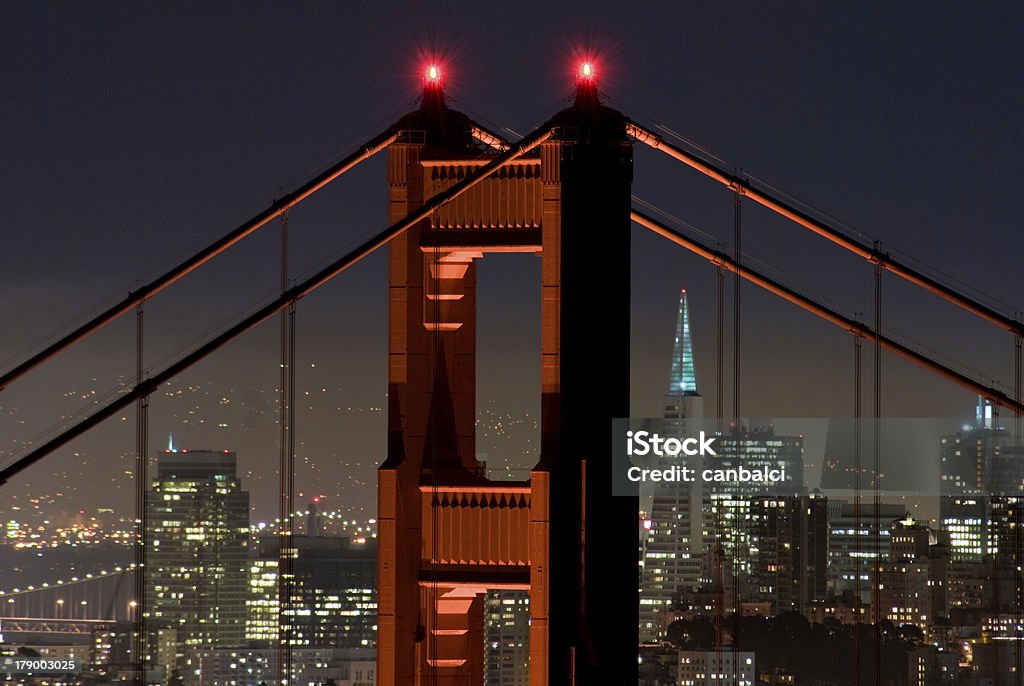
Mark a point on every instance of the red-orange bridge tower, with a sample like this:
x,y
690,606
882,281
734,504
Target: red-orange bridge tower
x,y
446,533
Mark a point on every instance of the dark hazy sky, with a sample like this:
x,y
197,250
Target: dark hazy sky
x,y
136,133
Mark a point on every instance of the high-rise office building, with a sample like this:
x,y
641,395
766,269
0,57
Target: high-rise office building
x,y
789,536
198,536
736,528
905,593
913,582
982,489
334,592
314,521
676,519
965,517
758,448
507,638
852,544
980,476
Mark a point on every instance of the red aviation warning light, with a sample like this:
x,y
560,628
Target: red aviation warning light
x,y
432,76
586,73
586,84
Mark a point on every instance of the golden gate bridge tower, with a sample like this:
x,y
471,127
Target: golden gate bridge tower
x,y
447,534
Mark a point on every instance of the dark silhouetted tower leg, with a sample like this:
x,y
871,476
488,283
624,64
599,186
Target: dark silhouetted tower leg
x,y
586,291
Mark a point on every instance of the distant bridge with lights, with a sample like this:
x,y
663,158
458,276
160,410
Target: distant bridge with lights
x,y
36,626
447,534
107,595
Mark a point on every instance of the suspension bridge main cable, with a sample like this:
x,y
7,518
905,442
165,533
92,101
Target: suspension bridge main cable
x,y
846,323
717,172
293,293
147,291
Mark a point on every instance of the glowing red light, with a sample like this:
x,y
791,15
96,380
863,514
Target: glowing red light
x,y
586,73
316,499
433,73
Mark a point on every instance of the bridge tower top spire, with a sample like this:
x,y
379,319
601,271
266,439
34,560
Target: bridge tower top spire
x,y
444,132
433,89
586,86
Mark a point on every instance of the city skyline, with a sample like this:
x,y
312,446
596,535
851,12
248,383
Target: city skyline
x,y
441,401
775,535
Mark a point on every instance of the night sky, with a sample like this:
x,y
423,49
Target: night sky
x,y
134,134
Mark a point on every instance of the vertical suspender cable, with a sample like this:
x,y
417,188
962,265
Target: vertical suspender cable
x,y
876,595
993,540
286,471
737,283
736,339
283,507
292,551
858,345
720,342
141,483
1019,630
716,525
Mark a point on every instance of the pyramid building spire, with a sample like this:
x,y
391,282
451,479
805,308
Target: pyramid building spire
x,y
680,515
683,379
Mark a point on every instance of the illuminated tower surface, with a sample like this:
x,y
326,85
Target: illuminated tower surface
x,y
448,535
